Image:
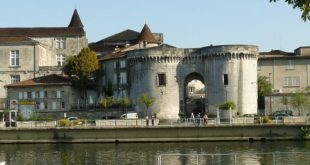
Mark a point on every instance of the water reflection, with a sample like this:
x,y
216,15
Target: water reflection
x,y
147,153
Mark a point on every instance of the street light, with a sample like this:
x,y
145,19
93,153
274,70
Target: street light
x,y
270,105
201,104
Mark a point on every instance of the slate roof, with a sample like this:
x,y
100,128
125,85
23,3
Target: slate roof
x,y
146,35
75,20
126,35
276,52
75,29
49,80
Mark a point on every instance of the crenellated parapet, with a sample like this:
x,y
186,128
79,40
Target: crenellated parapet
x,y
167,54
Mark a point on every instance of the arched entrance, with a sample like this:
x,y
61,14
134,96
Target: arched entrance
x,y
194,94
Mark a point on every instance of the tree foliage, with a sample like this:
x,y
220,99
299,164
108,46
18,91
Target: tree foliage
x,y
299,100
106,103
303,5
147,100
125,102
83,69
264,87
229,105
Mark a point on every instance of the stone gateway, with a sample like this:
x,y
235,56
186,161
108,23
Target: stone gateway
x,y
229,73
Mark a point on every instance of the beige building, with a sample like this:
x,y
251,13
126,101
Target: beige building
x,y
51,93
31,52
287,73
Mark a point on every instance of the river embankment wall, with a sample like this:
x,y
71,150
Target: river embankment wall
x,y
150,134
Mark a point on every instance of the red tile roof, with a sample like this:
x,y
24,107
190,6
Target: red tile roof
x,y
49,80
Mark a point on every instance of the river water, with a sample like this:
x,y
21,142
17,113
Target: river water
x,y
148,153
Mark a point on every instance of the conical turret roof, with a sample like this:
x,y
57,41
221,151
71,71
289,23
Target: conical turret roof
x,y
75,20
146,35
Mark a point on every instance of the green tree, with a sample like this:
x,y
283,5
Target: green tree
x,y
285,102
83,69
107,103
303,5
299,100
125,102
147,100
263,89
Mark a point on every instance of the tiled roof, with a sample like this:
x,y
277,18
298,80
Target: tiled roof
x,y
276,52
115,55
42,31
15,39
75,20
49,80
146,35
126,35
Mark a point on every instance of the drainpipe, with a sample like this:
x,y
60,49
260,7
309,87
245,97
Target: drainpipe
x,y
34,61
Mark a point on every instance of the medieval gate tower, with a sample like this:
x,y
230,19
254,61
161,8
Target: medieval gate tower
x,y
229,72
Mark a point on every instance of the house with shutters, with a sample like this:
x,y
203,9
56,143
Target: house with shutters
x,y
30,52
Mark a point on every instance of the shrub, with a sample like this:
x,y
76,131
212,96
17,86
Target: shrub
x,y
227,105
266,119
64,123
305,131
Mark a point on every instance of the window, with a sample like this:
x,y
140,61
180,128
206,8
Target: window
x,y
29,95
123,64
63,105
161,79
33,95
58,94
290,64
60,43
225,79
53,105
20,95
42,105
14,58
60,59
45,105
43,94
15,78
291,81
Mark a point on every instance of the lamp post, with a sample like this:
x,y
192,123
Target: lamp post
x,y
201,104
270,105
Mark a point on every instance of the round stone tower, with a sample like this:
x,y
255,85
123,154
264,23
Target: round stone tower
x,y
228,72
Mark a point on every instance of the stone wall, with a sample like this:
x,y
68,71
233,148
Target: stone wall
x,y
149,134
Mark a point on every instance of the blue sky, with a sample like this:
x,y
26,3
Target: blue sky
x,y
185,23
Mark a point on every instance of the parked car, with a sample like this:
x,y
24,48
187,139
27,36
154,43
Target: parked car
x,y
280,114
75,120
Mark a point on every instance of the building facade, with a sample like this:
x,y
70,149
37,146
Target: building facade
x,y
51,93
27,53
287,72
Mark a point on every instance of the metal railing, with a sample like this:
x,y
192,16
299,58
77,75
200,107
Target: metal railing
x,y
269,158
183,122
